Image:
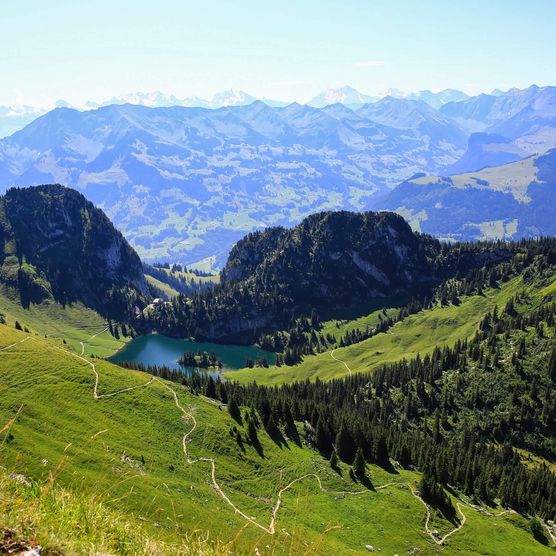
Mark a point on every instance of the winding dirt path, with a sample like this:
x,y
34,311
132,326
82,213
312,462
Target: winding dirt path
x,y
93,336
271,528
434,537
340,361
186,438
16,343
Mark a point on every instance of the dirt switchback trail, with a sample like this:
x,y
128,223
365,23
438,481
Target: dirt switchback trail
x,y
340,361
186,438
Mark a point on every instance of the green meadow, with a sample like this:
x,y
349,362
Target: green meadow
x,y
71,323
417,334
114,474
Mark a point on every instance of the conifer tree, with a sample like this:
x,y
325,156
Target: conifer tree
x,y
359,464
334,460
252,432
552,365
233,409
344,444
382,457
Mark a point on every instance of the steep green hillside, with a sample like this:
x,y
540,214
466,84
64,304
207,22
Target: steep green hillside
x,y
70,323
124,450
508,201
416,334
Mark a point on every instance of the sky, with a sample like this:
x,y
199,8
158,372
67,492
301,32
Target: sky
x,y
288,50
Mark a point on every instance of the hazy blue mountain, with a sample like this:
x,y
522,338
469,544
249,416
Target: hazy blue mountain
x,y
354,99
186,183
532,123
509,201
157,99
472,114
414,116
438,99
526,116
511,125
486,149
16,117
231,98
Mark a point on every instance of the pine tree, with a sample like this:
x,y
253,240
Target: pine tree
x,y
233,409
322,437
382,456
359,464
211,388
344,444
334,460
436,431
252,432
552,365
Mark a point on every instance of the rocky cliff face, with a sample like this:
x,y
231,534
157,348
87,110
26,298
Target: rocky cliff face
x,y
333,257
54,243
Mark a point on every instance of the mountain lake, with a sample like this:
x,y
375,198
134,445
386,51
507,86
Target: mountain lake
x,y
156,349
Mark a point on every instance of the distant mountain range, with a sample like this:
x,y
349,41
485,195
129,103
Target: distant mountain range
x,y
16,117
185,183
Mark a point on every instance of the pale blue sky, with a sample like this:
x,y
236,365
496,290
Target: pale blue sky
x,y
90,50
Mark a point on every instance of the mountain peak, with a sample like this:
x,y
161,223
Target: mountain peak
x,y
231,97
345,95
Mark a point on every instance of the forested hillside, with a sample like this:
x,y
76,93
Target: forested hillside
x,y
54,244
330,261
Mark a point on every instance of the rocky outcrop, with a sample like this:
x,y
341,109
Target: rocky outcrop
x,y
330,260
333,258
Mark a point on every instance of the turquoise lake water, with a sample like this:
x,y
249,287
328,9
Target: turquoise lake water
x,y
156,349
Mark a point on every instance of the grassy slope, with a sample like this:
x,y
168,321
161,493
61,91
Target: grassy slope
x,y
68,522
71,323
513,178
418,333
166,288
189,277
96,449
